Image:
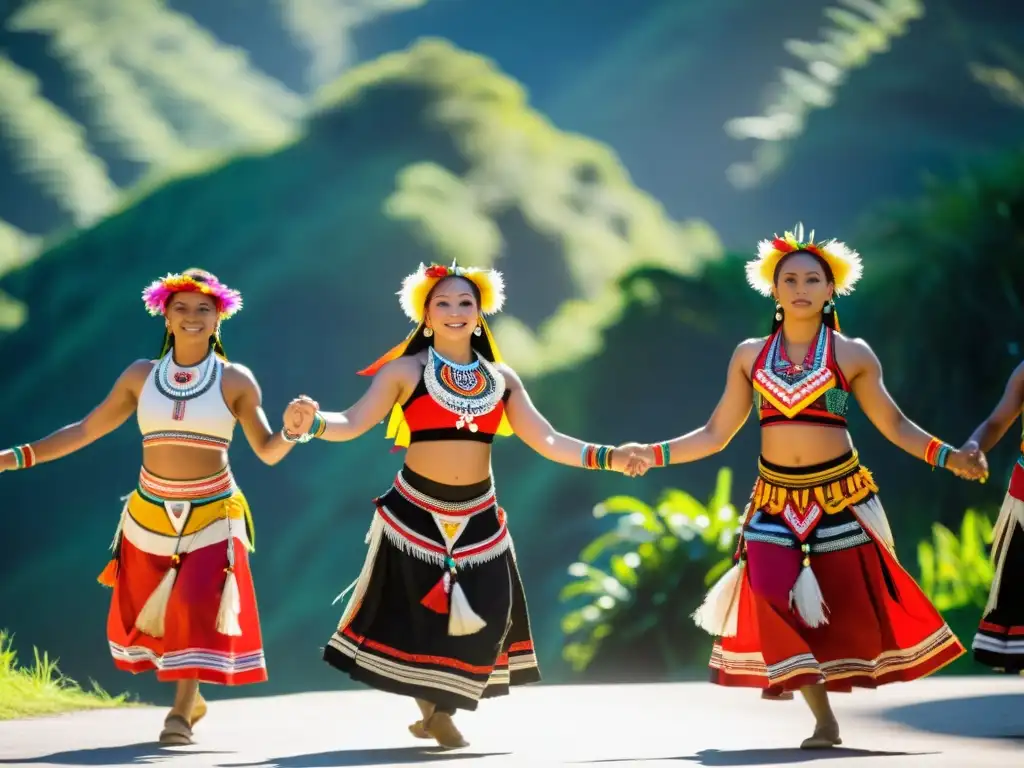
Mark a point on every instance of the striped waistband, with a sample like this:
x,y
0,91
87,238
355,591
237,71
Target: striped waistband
x,y
201,491
812,476
183,438
441,507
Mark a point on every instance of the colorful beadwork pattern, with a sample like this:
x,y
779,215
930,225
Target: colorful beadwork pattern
x,y
791,387
468,391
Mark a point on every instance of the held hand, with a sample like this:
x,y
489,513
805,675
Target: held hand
x,y
298,416
969,464
632,459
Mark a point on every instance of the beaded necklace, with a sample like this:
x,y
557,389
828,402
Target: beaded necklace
x,y
467,391
180,384
792,387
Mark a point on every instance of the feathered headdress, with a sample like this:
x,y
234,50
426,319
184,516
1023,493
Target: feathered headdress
x,y
413,299
156,294
842,260
417,286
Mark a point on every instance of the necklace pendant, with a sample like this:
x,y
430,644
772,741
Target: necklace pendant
x,y
461,423
178,412
473,427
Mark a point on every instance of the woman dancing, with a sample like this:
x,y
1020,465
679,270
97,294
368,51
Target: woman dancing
x,y
183,601
438,612
817,600
999,641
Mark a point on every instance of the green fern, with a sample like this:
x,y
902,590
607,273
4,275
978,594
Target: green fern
x,y
956,572
864,28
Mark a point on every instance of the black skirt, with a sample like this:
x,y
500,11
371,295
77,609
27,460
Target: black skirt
x,y
999,642
439,611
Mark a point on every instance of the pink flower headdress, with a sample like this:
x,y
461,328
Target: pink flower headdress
x,y
156,294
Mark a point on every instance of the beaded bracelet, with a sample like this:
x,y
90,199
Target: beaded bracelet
x,y
937,452
318,427
24,456
662,454
596,456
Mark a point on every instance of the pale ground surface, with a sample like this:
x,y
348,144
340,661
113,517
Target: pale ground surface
x,y
949,722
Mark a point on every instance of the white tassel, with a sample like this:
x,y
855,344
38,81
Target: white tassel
x,y
151,618
230,607
461,618
871,515
807,598
718,615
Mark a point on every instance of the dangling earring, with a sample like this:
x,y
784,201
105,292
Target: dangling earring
x,y
828,307
428,331
478,331
778,312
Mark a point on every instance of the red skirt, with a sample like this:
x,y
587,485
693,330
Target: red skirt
x,y
210,630
878,626
999,642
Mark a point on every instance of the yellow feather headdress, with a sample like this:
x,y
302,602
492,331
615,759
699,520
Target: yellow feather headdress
x,y
844,262
417,286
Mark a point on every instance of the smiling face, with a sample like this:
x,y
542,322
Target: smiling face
x,y
802,286
191,315
453,309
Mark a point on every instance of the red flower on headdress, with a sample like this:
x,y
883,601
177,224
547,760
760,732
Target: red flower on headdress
x,y
436,271
781,245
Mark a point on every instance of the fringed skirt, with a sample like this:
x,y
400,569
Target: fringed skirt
x,y
439,611
999,642
184,604
818,595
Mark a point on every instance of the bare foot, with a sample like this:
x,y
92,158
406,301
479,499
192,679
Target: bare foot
x,y
825,736
441,726
780,696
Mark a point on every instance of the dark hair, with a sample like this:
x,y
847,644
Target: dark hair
x,y
200,276
828,318
479,343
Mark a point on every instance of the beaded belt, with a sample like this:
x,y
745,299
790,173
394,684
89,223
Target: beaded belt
x,y
451,518
202,491
803,498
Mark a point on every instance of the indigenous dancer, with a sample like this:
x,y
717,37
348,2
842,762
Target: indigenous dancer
x,y
999,642
183,601
438,612
817,600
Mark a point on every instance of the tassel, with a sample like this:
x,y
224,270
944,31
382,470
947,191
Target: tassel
x,y
718,615
461,619
807,598
108,575
230,606
1002,533
151,618
437,598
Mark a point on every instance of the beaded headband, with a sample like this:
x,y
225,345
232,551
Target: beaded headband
x,y
417,286
156,294
844,262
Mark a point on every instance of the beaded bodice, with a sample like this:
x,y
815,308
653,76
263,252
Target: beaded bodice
x,y
812,391
456,401
183,405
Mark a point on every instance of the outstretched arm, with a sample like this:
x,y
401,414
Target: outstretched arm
x,y
876,402
385,390
536,431
246,400
110,414
991,431
727,418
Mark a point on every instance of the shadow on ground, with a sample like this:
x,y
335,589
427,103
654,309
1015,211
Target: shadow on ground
x,y
982,717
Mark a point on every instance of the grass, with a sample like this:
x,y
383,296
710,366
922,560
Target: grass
x,y
40,689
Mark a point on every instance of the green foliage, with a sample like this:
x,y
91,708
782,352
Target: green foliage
x,y
956,572
635,586
864,28
40,689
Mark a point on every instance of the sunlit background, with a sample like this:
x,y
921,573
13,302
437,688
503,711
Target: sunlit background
x,y
617,159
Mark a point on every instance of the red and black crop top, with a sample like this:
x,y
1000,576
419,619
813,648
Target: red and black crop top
x,y
456,402
812,392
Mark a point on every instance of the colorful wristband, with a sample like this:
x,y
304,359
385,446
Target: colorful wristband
x,y
662,454
937,452
24,456
596,456
316,429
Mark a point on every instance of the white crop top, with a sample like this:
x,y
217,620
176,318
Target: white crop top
x,y
185,406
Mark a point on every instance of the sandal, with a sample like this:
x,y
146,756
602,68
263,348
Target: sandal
x,y
824,737
177,732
